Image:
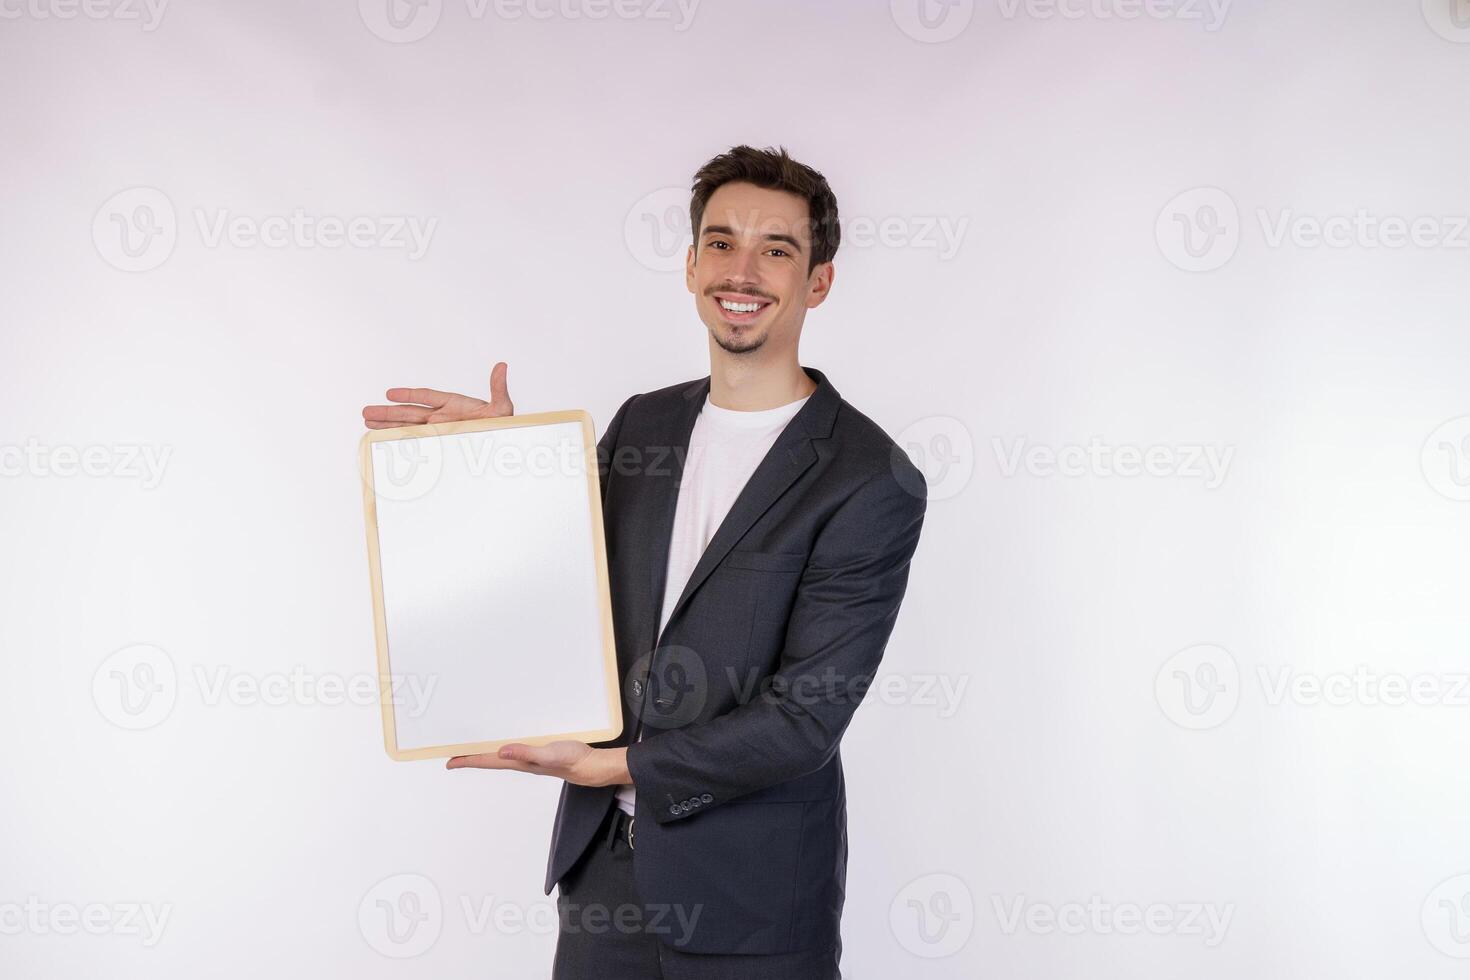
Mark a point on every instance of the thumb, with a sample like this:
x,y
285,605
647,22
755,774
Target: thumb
x,y
499,392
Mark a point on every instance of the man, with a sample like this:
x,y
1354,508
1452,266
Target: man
x,y
759,531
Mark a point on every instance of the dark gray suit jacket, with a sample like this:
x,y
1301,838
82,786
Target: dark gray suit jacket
x,y
741,812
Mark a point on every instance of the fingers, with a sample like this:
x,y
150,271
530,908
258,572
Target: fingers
x,y
483,761
522,758
402,414
420,396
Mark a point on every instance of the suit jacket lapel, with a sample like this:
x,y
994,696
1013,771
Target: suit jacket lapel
x,y
790,456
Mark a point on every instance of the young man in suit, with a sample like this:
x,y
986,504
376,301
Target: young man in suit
x,y
759,532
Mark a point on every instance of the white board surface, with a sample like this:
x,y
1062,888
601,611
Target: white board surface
x,y
490,584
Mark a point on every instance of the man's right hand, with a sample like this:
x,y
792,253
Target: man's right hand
x,y
416,406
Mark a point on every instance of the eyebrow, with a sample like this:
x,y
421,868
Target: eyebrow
x,y
770,236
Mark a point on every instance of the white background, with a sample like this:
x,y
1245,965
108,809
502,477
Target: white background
x,y
548,152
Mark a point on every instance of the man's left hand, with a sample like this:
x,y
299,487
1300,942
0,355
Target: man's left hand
x,y
576,762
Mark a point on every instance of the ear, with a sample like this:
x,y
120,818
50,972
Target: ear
x,y
689,269
819,284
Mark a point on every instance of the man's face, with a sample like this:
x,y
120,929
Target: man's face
x,y
748,268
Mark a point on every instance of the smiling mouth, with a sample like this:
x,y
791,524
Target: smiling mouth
x,y
741,309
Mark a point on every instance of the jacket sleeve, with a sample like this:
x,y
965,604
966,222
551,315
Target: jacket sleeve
x,y
608,444
845,608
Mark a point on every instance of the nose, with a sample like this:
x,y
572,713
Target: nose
x,y
743,268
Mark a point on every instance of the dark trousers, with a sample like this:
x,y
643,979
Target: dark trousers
x,y
606,933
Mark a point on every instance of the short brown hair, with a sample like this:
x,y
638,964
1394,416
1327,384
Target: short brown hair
x,y
774,170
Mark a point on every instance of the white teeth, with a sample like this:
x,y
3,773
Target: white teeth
x,y
740,307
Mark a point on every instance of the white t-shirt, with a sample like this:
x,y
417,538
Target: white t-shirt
x,y
724,449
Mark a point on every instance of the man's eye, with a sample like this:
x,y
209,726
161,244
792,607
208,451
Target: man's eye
x,y
720,244
778,251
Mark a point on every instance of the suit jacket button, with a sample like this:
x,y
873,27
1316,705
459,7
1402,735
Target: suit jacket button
x,y
674,808
707,798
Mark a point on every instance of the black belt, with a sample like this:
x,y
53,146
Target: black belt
x,y
620,826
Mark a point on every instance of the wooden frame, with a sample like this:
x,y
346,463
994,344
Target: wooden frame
x,y
609,678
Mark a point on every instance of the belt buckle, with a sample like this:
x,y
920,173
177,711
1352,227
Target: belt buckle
x,y
630,833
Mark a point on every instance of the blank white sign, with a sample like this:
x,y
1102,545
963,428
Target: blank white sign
x,y
490,584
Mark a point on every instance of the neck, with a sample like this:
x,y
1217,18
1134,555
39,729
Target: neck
x,y
752,387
